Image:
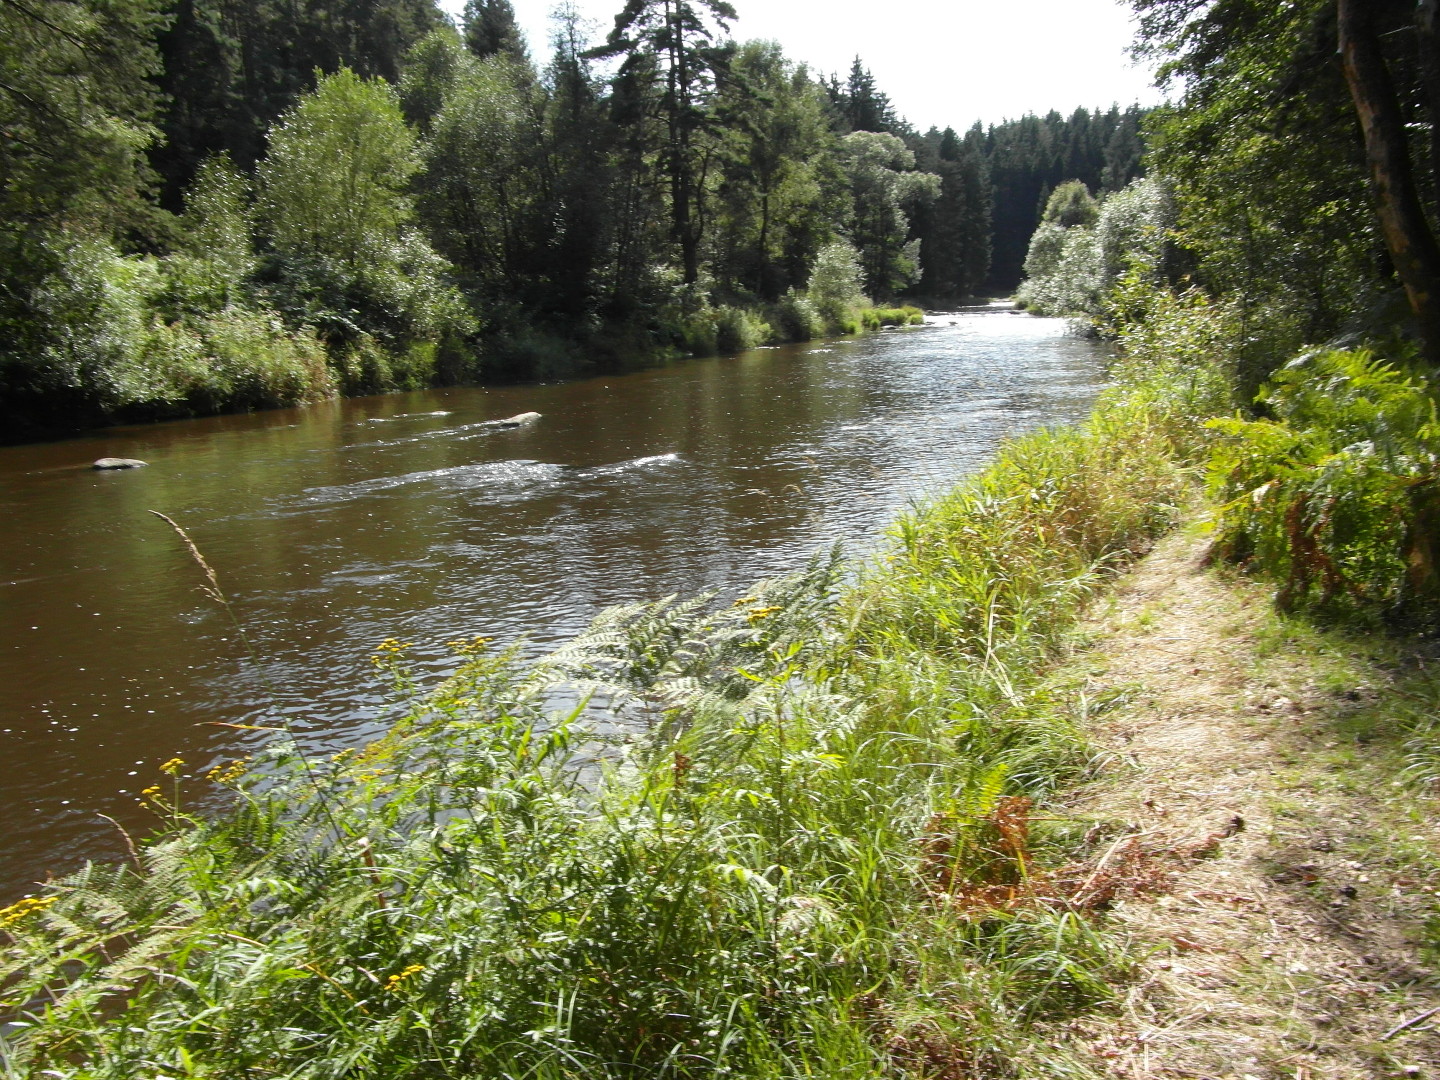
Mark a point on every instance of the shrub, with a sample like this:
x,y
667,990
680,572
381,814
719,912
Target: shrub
x,y
1080,252
738,329
797,318
1179,349
712,331
834,287
875,318
261,364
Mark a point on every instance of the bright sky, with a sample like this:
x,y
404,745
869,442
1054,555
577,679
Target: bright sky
x,y
942,62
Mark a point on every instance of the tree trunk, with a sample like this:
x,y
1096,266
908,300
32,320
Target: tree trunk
x,y
1408,235
1427,35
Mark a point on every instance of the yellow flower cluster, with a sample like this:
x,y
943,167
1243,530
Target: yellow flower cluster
x,y
228,774
470,646
151,794
172,767
11,915
389,650
754,615
393,983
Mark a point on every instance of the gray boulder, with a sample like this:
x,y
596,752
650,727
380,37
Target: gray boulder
x,y
119,463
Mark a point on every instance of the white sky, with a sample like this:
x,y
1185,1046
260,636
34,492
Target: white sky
x,y
942,62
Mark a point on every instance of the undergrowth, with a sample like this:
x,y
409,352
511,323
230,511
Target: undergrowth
x,y
1334,494
813,856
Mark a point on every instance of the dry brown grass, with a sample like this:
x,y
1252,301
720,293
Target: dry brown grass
x,y
1288,940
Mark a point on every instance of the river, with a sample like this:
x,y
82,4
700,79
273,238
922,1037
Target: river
x,y
414,516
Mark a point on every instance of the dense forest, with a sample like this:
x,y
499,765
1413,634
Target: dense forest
x,y
214,204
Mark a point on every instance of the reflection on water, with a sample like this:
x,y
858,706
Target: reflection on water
x,y
416,516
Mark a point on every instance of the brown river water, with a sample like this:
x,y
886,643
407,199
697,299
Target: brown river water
x,y
410,515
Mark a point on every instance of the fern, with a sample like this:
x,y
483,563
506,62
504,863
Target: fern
x,y
1336,499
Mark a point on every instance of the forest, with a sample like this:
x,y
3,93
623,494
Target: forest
x,y
228,204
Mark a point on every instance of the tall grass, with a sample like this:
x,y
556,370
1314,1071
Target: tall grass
x,y
764,879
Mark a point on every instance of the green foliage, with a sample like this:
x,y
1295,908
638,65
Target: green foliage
x,y
1072,269
336,204
955,229
481,188
886,193
1069,205
1183,346
113,347
1064,271
335,178
834,288
1028,158
1334,498
723,330
797,318
780,184
875,318
213,269
1268,174
76,106
489,27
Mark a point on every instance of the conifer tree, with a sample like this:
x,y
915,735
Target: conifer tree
x,y
679,49
489,27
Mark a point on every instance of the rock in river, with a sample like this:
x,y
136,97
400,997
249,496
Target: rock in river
x,y
119,463
518,420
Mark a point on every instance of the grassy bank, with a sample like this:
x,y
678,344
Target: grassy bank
x,y
815,858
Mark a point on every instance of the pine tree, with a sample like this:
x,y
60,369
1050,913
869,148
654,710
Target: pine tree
x,y
489,27
672,55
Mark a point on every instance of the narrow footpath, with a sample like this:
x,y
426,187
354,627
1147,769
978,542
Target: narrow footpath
x,y
1290,925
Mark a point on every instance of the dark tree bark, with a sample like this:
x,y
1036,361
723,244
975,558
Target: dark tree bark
x,y
1427,31
1408,235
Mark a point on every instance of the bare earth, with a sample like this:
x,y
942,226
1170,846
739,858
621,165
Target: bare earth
x,y
1289,941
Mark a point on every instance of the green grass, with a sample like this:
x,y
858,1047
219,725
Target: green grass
x,y
762,882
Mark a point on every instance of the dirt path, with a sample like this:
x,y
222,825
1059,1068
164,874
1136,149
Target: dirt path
x,y
1290,940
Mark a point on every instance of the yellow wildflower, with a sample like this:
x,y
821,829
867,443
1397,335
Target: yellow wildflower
x,y
11,915
469,646
228,774
393,983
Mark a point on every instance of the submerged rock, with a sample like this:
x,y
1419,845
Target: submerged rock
x,y
119,463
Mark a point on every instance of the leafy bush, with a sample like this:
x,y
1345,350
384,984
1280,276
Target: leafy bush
x,y
1337,498
874,318
1178,349
111,341
798,319
835,288
1078,255
260,364
738,329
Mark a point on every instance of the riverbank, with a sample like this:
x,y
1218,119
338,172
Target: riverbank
x,y
243,361
415,516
